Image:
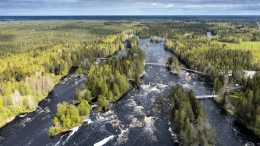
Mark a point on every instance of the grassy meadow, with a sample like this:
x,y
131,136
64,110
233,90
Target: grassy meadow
x,y
251,46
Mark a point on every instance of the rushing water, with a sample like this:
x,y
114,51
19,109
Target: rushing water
x,y
32,129
140,118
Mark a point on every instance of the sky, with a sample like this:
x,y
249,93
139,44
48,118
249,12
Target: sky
x,y
128,7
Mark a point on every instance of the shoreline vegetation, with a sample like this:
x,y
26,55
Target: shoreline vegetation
x,y
173,65
223,58
156,39
35,56
243,103
31,68
106,83
189,120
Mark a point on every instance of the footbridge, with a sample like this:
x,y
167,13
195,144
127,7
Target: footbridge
x,y
206,96
156,64
183,68
213,95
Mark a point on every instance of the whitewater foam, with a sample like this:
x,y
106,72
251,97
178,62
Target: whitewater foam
x,y
162,86
149,88
73,131
174,136
186,85
88,121
149,126
123,136
104,141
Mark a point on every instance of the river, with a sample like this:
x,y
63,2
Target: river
x,y
139,118
32,128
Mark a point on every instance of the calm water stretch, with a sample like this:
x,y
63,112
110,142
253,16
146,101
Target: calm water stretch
x,y
140,118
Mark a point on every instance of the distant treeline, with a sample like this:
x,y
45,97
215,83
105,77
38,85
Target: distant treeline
x,y
36,55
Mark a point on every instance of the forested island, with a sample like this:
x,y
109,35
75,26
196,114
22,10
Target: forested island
x,y
188,117
37,56
228,58
173,65
30,70
106,83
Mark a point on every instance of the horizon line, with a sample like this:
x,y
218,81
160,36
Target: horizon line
x,y
122,15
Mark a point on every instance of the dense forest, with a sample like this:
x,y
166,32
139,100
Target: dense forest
x,y
188,117
35,56
32,64
244,102
173,65
106,83
224,50
207,56
231,45
248,106
231,49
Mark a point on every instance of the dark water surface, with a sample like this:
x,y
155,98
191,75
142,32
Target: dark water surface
x,y
140,118
32,129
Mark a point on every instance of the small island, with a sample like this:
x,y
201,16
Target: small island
x,y
173,65
189,118
106,83
69,116
156,39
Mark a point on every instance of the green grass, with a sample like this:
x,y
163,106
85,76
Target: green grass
x,y
254,47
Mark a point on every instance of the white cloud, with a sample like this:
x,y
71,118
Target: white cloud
x,y
162,5
169,5
123,7
207,6
154,4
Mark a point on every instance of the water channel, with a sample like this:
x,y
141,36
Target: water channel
x,y
140,118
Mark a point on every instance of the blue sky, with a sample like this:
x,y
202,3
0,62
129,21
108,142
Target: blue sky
x,y
129,7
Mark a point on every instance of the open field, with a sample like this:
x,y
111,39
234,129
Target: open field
x,y
253,47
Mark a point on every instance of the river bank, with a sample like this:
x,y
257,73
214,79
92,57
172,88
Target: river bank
x,y
107,82
32,128
200,85
48,97
206,76
242,126
139,118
